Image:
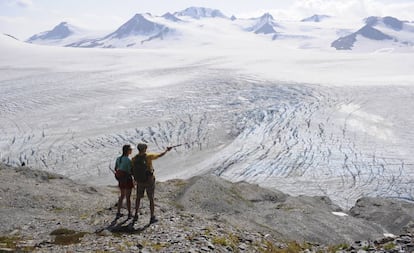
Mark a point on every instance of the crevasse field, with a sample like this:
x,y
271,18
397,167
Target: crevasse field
x,y
302,121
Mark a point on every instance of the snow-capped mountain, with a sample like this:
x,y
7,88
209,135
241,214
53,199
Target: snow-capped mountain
x,y
200,12
61,31
265,25
205,26
139,29
64,34
315,18
171,17
137,25
376,29
389,22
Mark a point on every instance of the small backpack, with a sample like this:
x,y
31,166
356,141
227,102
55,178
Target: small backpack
x,y
140,169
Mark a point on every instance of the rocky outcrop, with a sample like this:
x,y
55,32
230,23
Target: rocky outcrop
x,y
394,215
46,212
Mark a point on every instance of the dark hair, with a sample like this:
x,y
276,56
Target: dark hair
x,y
125,149
141,146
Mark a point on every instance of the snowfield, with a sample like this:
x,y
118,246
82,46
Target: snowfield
x,y
302,121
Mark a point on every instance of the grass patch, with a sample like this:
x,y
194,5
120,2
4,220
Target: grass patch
x,y
180,183
288,247
219,240
65,236
9,242
389,246
335,248
53,176
230,240
58,209
159,246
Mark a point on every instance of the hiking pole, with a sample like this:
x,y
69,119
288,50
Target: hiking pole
x,y
109,166
178,145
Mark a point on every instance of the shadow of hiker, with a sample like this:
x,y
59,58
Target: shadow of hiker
x,y
123,227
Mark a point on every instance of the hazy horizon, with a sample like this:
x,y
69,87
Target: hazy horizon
x,y
24,18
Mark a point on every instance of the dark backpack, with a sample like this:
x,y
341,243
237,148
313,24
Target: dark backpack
x,y
140,169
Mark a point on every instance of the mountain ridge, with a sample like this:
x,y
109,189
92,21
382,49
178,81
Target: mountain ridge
x,y
202,212
373,30
143,28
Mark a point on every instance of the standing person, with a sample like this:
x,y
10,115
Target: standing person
x,y
143,172
123,171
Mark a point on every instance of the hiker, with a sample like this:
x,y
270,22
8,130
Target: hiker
x,y
143,172
123,173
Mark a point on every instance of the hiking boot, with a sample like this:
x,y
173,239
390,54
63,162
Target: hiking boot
x,y
119,215
136,217
153,219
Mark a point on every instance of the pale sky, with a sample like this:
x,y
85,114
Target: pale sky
x,y
23,18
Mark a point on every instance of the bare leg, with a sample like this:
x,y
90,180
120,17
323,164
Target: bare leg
x,y
128,199
120,200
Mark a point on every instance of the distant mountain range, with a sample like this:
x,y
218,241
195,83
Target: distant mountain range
x,y
200,12
315,18
379,29
144,28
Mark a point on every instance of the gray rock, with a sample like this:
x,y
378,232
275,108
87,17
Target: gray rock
x,y
392,214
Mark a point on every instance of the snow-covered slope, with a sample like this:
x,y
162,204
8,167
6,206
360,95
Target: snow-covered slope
x,y
139,29
378,33
171,17
248,111
264,25
315,18
62,35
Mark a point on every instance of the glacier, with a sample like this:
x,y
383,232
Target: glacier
x,y
306,123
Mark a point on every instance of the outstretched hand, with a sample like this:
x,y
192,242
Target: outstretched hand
x,y
169,148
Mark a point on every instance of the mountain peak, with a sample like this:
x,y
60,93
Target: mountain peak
x,y
137,25
388,21
171,17
315,18
200,12
264,25
347,42
61,31
267,16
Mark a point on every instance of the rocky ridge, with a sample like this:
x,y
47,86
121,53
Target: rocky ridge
x,y
45,212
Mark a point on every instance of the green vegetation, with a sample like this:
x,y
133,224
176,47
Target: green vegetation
x,y
335,248
11,242
389,246
230,240
287,247
65,236
366,248
53,176
159,246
